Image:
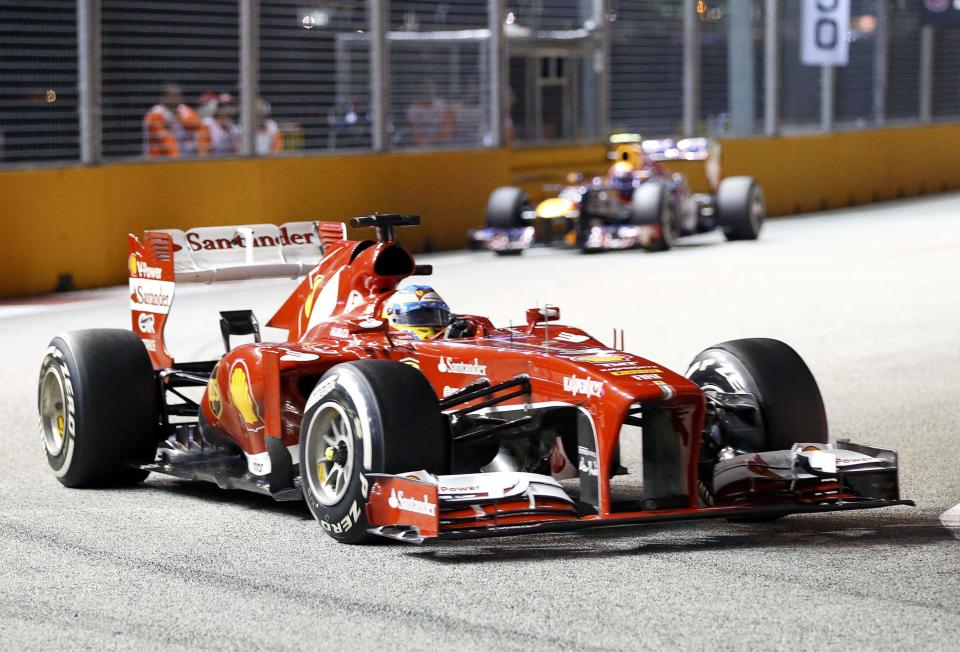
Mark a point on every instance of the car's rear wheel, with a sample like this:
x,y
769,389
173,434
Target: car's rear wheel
x,y
505,208
651,205
369,416
97,399
741,208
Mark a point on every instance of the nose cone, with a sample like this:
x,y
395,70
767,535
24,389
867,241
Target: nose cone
x,y
555,207
608,375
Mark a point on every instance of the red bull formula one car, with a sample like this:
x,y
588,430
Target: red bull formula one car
x,y
640,203
396,418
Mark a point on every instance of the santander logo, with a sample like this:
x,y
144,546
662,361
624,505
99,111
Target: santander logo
x,y
398,501
158,298
198,242
450,366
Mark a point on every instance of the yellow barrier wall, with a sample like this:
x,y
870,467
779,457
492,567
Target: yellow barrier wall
x,y
808,173
74,220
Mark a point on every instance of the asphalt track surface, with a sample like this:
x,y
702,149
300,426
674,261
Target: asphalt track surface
x,y
869,296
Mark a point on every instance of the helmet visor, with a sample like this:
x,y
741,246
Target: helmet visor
x,y
434,314
622,183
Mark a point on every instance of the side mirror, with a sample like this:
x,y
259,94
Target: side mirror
x,y
539,315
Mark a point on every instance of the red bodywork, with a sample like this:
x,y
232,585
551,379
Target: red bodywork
x,y
258,390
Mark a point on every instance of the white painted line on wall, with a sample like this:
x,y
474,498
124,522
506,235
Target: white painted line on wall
x,y
951,520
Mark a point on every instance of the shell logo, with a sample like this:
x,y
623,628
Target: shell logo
x,y
241,395
312,295
132,265
213,395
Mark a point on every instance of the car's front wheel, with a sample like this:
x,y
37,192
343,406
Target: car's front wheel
x,y
651,205
505,208
791,407
368,416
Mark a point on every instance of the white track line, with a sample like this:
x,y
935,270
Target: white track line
x,y
951,520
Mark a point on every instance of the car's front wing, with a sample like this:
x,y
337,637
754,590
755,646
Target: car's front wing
x,y
418,507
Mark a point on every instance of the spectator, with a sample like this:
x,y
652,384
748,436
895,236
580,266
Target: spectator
x,y
269,140
224,132
171,128
432,120
349,124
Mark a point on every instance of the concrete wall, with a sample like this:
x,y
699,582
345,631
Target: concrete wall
x,y
74,220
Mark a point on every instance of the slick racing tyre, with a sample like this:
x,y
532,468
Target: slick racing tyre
x,y
741,208
791,408
97,399
369,416
505,208
651,205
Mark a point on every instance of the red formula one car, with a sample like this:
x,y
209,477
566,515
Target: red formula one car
x,y
640,203
390,416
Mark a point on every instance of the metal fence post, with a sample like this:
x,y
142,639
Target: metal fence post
x,y
249,75
497,62
881,55
379,16
771,68
827,89
603,11
740,68
89,81
926,73
691,67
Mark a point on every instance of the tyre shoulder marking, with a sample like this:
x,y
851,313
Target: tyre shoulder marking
x,y
70,428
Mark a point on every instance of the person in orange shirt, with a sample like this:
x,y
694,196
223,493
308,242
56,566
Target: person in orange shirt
x,y
172,129
195,137
432,120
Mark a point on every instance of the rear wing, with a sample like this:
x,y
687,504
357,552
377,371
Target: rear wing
x,y
165,257
628,147
660,149
230,253
685,149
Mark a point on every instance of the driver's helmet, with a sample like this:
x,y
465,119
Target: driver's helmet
x,y
621,177
419,310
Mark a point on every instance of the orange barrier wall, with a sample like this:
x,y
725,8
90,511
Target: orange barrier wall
x,y
74,220
808,173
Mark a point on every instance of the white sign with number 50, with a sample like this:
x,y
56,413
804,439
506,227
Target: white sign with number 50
x,y
824,32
